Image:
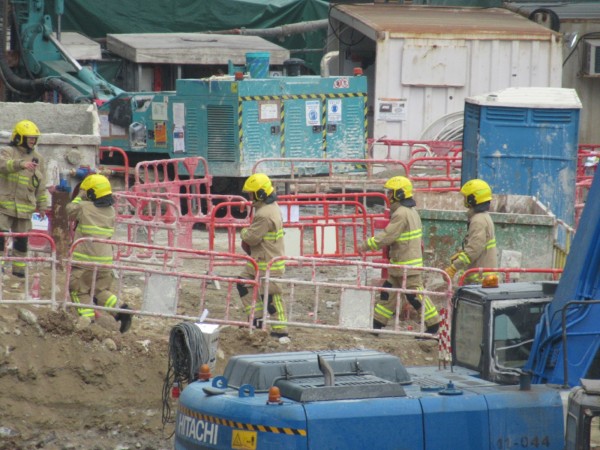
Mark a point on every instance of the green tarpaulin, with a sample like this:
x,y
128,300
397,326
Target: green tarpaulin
x,y
97,19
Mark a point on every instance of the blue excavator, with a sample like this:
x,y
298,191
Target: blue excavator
x,y
524,375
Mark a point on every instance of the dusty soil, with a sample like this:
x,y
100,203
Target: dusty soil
x,y
68,384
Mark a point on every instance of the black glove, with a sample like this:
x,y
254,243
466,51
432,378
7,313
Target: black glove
x,y
246,248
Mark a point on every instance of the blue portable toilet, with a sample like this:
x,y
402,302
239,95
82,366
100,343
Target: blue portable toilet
x,y
524,141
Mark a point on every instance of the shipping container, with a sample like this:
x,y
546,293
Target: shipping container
x,y
423,62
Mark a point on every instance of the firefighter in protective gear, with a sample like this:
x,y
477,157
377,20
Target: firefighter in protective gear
x,y
479,246
22,188
95,215
263,240
403,235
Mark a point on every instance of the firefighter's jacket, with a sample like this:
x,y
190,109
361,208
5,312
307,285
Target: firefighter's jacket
x,y
265,236
403,235
92,222
479,246
21,191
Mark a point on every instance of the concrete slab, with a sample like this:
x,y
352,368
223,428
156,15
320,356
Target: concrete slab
x,y
355,308
80,47
191,48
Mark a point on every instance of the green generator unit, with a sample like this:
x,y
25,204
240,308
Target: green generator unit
x,y
233,121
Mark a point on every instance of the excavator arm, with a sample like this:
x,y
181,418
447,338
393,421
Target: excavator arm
x,y
43,63
567,338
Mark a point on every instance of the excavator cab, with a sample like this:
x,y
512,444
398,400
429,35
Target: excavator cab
x,y
583,416
493,328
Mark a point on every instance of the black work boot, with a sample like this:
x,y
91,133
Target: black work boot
x,y
279,333
433,328
125,320
377,325
257,323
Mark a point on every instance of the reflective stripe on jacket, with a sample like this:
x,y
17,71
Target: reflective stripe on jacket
x,y
265,236
403,235
479,246
21,191
92,222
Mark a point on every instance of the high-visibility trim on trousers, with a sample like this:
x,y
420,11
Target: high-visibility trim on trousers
x,y
84,312
279,312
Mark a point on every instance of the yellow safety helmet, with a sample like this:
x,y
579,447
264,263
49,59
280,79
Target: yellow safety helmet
x,y
400,188
476,192
96,186
259,185
23,129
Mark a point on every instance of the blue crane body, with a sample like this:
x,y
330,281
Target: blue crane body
x,y
525,374
399,409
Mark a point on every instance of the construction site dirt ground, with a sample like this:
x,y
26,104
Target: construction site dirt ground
x,y
66,383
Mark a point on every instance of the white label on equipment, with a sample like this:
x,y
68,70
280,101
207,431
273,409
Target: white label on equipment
x,y
268,111
391,109
334,110
313,113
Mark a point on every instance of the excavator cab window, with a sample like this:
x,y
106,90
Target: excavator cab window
x,y
493,330
468,334
594,370
514,329
595,433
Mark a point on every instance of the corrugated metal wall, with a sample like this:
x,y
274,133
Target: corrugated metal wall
x,y
470,67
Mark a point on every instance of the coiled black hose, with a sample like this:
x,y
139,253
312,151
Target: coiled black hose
x,y
188,350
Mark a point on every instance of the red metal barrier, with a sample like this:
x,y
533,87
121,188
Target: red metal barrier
x,y
432,173
435,174
394,148
581,191
124,169
332,234
341,220
344,173
588,156
201,209
342,282
317,225
164,179
193,289
507,271
165,174
587,163
155,219
26,297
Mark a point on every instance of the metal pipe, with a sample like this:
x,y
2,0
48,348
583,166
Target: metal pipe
x,y
327,370
325,60
564,334
65,53
282,31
